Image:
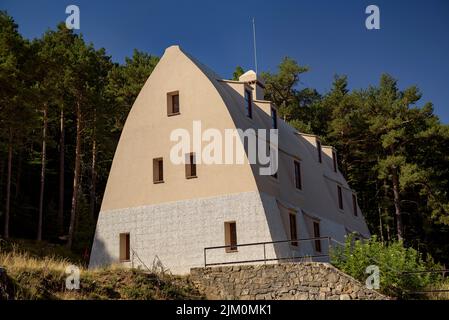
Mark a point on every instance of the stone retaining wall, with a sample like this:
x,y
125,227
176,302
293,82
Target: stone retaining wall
x,y
286,281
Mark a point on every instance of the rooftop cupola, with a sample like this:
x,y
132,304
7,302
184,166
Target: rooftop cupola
x,y
255,82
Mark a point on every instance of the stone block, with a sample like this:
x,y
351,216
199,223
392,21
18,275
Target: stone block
x,y
278,281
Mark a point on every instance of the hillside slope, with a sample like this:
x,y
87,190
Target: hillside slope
x,y
26,275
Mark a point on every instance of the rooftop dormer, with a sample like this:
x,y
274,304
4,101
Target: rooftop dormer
x,y
331,153
251,78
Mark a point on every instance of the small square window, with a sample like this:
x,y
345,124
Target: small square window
x,y
334,160
274,118
354,205
317,234
340,197
158,170
124,247
191,166
249,103
173,103
293,230
231,236
318,147
298,178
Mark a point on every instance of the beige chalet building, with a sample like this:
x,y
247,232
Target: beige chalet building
x,y
154,211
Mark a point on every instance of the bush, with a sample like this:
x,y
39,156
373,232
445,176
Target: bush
x,y
394,262
438,291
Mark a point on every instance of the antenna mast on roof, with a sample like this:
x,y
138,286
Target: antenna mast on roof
x,y
255,49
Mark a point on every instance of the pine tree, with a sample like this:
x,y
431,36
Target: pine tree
x,y
15,93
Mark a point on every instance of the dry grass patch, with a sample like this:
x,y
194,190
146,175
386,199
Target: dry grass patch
x,y
34,278
439,295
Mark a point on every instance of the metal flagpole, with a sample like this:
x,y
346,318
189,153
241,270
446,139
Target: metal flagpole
x,y
255,48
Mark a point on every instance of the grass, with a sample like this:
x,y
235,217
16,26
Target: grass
x,y
34,274
41,250
438,295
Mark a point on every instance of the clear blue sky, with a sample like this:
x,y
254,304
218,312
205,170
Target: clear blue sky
x,y
328,36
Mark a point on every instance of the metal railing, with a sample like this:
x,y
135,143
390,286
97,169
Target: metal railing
x,y
444,273
325,253
135,255
294,246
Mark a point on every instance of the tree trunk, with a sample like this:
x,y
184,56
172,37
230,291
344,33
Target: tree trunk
x,y
388,232
75,176
44,160
381,233
397,202
379,210
2,173
61,174
8,187
19,174
93,172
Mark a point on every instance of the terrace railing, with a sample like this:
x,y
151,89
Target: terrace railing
x,y
320,248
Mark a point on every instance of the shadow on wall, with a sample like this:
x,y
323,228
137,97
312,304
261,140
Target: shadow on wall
x,y
100,256
236,108
279,229
264,121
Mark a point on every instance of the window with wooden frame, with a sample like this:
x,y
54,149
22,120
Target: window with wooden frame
x,y
231,236
334,160
191,166
248,103
274,118
124,247
173,103
340,197
317,234
298,178
293,230
158,170
354,205
319,150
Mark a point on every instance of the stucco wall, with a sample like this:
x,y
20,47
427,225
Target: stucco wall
x,y
220,105
287,281
146,135
177,232
173,221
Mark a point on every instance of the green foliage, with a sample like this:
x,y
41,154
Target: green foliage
x,y
237,73
299,107
391,148
125,82
281,88
39,250
386,142
60,73
16,86
84,235
394,261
